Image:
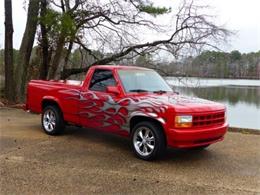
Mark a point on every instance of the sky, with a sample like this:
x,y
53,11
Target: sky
x,y
240,16
243,18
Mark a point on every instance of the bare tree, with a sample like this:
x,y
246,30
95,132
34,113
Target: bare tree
x,y
8,53
65,32
96,20
115,28
26,48
44,41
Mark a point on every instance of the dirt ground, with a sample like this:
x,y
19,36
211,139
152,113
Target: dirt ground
x,y
83,161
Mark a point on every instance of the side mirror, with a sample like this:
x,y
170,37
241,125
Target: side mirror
x,y
113,90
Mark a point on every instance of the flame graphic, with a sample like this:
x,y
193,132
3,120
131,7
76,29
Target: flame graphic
x,y
104,111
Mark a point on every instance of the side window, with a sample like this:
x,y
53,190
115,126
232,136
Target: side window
x,y
101,79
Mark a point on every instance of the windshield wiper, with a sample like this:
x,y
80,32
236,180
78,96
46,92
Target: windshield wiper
x,y
138,90
160,91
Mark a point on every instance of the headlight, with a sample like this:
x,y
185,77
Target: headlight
x,y
183,121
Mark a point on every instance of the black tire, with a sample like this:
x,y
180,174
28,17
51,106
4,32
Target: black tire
x,y
57,124
159,140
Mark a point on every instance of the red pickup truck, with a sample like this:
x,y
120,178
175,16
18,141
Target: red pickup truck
x,y
129,101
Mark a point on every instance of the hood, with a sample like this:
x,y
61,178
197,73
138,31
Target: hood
x,y
184,104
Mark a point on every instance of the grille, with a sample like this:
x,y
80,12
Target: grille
x,y
211,119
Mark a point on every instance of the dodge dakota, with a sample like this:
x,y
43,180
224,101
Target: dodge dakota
x,y
129,101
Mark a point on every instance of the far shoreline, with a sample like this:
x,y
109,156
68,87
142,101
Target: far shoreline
x,y
244,130
208,77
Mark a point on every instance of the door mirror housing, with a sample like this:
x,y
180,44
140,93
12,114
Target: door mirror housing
x,y
113,90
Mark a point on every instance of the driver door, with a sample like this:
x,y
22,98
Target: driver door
x,y
97,107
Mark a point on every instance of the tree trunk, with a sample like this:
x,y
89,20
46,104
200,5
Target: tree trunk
x,y
44,43
8,53
26,49
66,60
57,57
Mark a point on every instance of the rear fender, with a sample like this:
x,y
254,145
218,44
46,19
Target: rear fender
x,y
52,99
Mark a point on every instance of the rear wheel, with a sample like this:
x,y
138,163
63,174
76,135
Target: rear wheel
x,y
52,120
148,141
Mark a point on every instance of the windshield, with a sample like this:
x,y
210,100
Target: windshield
x,y
143,81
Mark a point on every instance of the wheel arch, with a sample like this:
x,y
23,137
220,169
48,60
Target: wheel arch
x,y
140,118
50,101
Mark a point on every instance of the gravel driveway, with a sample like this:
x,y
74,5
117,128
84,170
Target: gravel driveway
x,y
84,161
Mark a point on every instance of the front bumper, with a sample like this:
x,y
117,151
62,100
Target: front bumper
x,y
187,138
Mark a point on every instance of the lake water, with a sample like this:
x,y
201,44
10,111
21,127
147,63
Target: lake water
x,y
241,97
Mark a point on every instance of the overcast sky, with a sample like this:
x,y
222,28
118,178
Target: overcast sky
x,y
238,15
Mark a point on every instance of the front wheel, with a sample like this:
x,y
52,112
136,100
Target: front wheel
x,y
52,120
148,140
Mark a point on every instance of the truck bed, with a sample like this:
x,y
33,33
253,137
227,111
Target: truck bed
x,y
41,89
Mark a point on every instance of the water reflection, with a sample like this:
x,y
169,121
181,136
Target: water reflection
x,y
230,94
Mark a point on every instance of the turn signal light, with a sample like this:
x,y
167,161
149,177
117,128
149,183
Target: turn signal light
x,y
183,121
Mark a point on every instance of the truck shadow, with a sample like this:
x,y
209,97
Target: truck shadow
x,y
181,155
101,137
123,145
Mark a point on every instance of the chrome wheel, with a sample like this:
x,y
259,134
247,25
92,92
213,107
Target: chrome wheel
x,y
49,120
144,141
